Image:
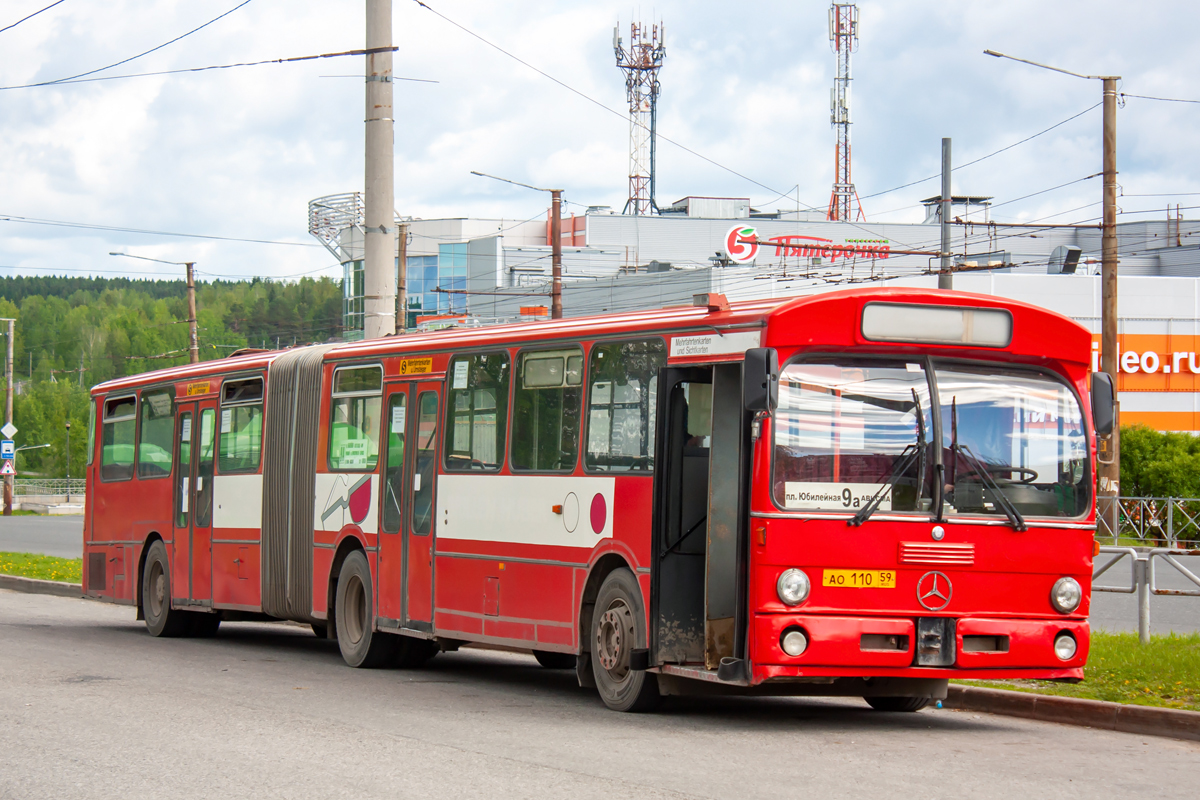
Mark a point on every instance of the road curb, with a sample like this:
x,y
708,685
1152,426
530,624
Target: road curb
x,y
35,586
1146,720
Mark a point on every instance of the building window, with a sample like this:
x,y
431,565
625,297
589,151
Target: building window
x,y
451,277
477,411
352,300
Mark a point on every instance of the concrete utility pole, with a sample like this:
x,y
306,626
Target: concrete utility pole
x,y
556,253
402,279
194,342
1109,474
8,405
379,270
945,276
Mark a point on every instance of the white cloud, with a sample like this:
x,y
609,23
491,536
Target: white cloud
x,y
239,153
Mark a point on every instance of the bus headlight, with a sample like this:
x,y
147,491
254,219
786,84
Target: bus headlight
x,y
1064,646
1066,595
793,642
792,587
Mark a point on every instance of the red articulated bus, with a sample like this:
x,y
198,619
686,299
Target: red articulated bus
x,y
865,492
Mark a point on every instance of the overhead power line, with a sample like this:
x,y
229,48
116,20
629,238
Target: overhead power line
x,y
1163,99
226,66
989,155
88,226
133,58
31,16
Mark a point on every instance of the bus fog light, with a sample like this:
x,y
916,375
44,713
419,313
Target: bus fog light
x,y
1064,646
1066,595
794,642
792,587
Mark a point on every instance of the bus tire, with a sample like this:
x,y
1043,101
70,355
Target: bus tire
x,y
161,619
204,625
618,627
897,703
555,660
361,645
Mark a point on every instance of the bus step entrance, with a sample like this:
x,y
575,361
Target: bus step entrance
x,y
935,641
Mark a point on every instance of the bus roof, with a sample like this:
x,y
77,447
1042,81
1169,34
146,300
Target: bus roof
x,y
1065,338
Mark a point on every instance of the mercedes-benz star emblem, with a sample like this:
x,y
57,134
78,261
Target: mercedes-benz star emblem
x,y
934,591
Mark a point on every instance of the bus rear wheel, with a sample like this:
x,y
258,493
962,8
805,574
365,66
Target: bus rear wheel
x,y
897,703
361,645
618,627
161,619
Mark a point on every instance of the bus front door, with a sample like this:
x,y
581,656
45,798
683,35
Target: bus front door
x,y
419,527
390,581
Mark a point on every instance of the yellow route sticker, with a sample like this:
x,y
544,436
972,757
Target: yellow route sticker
x,y
198,388
416,366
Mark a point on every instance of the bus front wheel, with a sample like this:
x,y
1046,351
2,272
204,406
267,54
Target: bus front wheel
x,y
618,627
361,645
161,619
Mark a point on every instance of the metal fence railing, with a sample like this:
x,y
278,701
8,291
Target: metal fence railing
x,y
48,487
1168,522
1144,563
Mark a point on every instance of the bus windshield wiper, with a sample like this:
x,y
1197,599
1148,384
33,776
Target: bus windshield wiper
x,y
989,483
899,467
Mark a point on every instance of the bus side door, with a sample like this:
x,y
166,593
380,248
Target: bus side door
x,y
191,563
184,506
390,575
419,527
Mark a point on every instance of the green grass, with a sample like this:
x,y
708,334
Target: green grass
x,y
1165,672
47,568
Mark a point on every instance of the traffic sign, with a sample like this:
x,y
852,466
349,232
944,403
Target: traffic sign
x,y
9,430
7,468
8,449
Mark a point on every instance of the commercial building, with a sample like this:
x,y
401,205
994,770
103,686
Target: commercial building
x,y
489,270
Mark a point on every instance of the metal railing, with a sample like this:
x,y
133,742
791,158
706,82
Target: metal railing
x,y
1153,521
1143,579
44,487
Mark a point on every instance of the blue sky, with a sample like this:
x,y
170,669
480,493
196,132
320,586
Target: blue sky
x,y
239,153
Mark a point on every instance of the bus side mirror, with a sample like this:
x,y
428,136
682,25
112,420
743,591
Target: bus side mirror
x,y
1103,403
760,379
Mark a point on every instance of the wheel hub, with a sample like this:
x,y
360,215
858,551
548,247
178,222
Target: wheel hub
x,y
613,635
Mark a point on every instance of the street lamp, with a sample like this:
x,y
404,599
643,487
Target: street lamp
x,y
555,240
1110,471
191,298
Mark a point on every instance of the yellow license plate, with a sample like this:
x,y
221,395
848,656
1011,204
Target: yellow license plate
x,y
859,578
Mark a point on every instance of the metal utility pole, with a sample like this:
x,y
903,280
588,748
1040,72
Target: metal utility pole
x,y
379,269
402,279
556,253
556,307
68,462
946,277
1109,474
8,408
194,346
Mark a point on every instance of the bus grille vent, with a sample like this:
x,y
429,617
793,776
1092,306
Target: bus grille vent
x,y
937,554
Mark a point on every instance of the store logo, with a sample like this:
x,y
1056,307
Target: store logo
x,y
934,591
737,247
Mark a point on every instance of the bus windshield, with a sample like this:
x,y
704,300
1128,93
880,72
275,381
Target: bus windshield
x,y
856,433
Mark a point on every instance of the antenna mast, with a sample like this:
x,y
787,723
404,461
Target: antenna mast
x,y
641,63
843,38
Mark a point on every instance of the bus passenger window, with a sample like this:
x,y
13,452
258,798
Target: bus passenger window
x,y
477,411
622,403
91,429
546,410
116,448
241,426
354,418
154,438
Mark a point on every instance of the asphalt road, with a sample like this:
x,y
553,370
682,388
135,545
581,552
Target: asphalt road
x,y
91,706
62,536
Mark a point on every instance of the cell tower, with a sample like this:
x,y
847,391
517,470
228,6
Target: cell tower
x,y
641,63
843,38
